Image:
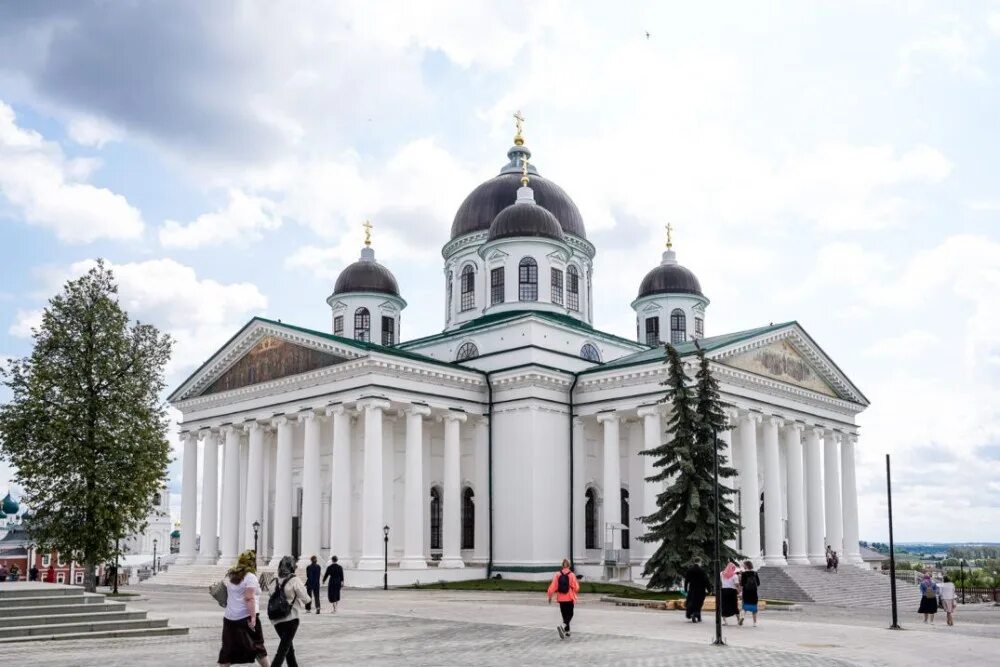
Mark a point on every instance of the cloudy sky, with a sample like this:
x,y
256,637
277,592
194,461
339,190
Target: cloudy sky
x,y
832,164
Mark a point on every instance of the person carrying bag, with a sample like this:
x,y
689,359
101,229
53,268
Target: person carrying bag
x,y
283,607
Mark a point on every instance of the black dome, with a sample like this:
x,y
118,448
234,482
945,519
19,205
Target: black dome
x,y
669,279
484,203
366,276
525,219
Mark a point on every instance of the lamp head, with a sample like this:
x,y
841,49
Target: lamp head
x,y
385,530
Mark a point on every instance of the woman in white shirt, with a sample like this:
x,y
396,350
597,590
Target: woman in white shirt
x,y
242,637
730,598
946,592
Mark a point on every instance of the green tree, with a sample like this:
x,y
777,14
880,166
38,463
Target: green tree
x,y
85,428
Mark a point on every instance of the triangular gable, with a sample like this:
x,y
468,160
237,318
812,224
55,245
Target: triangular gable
x,y
270,359
781,361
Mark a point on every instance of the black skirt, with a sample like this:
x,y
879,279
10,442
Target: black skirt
x,y
928,605
240,644
333,592
730,603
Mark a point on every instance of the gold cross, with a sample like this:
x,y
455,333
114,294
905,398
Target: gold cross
x,y
524,172
519,123
368,232
670,229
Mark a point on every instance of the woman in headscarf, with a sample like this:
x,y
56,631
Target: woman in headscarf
x,y
928,598
297,596
730,598
242,637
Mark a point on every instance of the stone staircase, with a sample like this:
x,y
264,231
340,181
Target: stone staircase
x,y
198,576
32,611
848,587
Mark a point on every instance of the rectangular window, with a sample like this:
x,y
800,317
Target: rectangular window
x,y
468,288
652,331
557,286
61,578
46,560
699,326
496,286
388,331
573,288
528,280
62,563
79,578
338,325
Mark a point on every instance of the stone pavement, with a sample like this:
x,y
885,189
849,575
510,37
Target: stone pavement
x,y
445,628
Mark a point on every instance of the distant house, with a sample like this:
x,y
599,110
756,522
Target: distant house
x,y
873,559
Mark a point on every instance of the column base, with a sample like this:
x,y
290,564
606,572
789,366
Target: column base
x,y
227,560
185,560
815,559
799,560
367,563
412,564
451,563
275,559
854,559
775,561
207,559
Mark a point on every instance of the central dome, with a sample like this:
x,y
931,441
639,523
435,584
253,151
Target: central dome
x,y
484,203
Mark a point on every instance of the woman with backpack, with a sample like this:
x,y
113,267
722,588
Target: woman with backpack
x,y
928,598
749,585
565,587
289,597
242,637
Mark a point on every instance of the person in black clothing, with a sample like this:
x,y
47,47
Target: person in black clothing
x,y
696,586
749,584
312,583
335,574
33,573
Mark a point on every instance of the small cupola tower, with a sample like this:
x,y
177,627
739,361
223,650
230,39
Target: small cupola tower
x,y
365,303
670,307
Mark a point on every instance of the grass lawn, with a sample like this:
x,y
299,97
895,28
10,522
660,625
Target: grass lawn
x,y
516,585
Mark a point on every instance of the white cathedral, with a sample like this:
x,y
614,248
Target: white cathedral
x,y
511,439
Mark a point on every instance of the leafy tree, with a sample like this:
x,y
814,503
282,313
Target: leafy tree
x,y
684,523
85,428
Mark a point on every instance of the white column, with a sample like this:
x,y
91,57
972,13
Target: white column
x,y
389,482
230,496
791,438
340,482
652,424
773,553
579,491
413,493
749,491
282,534
266,529
831,481
814,497
612,478
312,508
727,454
482,499
243,527
208,552
189,501
451,519
372,518
850,500
255,483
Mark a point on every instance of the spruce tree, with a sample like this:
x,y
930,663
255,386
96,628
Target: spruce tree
x,y
85,428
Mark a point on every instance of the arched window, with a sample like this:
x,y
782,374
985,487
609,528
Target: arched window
x,y
496,285
388,330
590,353
527,280
467,351
572,288
156,500
468,287
557,287
653,331
435,517
678,326
468,519
590,520
447,288
362,324
625,518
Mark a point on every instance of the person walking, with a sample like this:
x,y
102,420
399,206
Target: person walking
x,y
33,573
335,574
312,583
696,587
565,587
928,598
242,636
50,575
835,560
749,586
730,596
829,558
946,591
289,586
3,572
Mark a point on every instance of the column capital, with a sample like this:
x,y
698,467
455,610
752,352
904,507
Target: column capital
x,y
417,410
454,416
279,421
372,403
306,415
834,435
337,409
649,411
815,430
208,431
774,420
850,438
607,416
792,425
253,425
226,429
188,436
750,415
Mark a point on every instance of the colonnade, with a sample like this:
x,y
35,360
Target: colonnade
x,y
222,536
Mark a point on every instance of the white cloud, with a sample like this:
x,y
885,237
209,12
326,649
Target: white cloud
x,y
909,345
953,46
242,221
46,188
91,131
24,322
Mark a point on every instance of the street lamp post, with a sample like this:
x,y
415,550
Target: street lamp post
x,y
385,572
256,530
154,555
961,569
117,549
718,560
892,548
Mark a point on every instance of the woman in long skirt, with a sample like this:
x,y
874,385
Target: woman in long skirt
x,y
928,598
730,599
242,637
335,574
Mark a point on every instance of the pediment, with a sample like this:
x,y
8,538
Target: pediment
x,y
271,359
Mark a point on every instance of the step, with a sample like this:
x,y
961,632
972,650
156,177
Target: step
x,y
85,626
35,610
34,590
61,619
80,598
102,634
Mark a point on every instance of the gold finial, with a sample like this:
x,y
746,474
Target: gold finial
x,y
519,122
670,242
524,172
368,233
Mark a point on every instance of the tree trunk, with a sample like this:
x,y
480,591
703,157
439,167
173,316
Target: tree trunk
x,y
90,576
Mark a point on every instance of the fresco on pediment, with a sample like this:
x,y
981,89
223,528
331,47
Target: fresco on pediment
x,y
270,359
782,362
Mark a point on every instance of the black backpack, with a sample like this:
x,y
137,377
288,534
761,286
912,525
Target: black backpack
x,y
751,582
563,585
278,606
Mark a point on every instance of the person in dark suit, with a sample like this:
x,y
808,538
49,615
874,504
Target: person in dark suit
x,y
335,575
696,586
312,582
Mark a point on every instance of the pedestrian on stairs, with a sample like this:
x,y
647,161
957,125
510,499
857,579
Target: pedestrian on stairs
x,y
749,587
928,598
312,583
565,587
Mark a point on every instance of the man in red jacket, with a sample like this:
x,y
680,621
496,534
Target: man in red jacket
x,y
565,587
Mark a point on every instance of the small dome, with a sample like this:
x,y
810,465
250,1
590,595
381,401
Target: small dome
x,y
9,505
669,278
175,533
366,275
525,218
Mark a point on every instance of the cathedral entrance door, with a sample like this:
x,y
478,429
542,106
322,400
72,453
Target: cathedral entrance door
x,y
296,538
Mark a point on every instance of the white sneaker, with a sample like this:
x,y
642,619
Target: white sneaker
x,y
561,631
